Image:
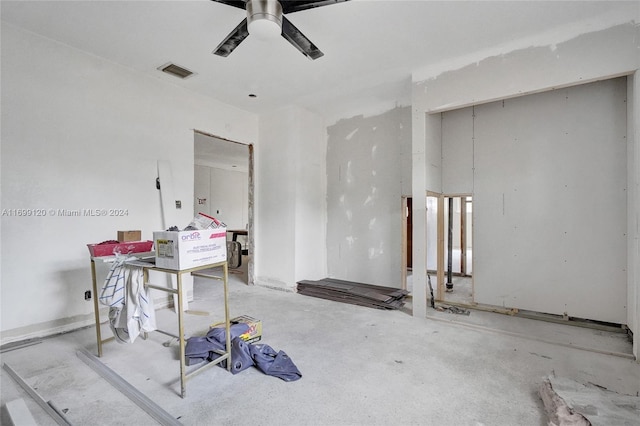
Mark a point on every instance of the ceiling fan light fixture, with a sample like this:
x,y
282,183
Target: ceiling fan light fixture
x,y
264,18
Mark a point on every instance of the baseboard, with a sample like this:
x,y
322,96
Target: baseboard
x,y
66,325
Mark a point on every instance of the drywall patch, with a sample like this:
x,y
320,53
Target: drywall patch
x,y
371,197
350,135
349,172
376,252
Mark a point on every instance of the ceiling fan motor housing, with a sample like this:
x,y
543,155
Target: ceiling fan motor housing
x,y
269,10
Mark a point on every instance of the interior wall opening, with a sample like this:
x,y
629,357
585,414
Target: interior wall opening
x,y
223,188
450,247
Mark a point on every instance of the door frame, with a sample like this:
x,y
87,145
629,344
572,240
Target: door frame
x,y
404,254
441,243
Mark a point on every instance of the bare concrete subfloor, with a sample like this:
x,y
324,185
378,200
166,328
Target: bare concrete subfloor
x,y
359,366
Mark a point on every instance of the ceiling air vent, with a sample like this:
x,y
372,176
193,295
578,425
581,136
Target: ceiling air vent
x,y
176,70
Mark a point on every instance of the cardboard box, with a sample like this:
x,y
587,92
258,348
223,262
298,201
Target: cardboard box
x,y
97,250
255,327
124,236
179,250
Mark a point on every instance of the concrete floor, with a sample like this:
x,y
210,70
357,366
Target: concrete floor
x,y
462,290
359,366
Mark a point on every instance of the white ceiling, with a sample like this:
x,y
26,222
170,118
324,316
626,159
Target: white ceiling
x,y
219,153
371,47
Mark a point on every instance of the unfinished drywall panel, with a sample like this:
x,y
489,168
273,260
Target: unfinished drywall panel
x,y
364,194
633,207
290,193
81,135
531,68
311,196
457,151
555,59
433,153
550,202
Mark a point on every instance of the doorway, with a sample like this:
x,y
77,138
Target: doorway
x,y
407,243
458,248
450,247
223,188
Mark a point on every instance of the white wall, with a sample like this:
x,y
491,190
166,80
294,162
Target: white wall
x,y
633,208
290,201
457,152
79,132
585,57
364,197
550,202
311,197
226,194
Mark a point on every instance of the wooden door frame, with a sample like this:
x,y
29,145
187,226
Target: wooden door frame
x,y
440,279
439,244
440,267
403,250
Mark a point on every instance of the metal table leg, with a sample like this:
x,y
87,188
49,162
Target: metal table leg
x,y
96,308
183,378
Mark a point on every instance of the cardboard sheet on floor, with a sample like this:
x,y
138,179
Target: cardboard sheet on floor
x,y
355,293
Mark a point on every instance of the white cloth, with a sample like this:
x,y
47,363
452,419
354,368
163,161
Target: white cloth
x,y
130,305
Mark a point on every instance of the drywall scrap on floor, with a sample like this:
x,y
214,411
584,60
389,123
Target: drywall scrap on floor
x,y
19,414
568,402
48,406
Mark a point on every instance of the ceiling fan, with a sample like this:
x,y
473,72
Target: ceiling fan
x,y
265,19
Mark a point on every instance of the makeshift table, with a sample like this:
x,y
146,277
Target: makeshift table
x,y
146,267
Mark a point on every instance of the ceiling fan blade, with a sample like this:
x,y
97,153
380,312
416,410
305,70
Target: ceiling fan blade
x,y
289,6
233,39
299,40
240,4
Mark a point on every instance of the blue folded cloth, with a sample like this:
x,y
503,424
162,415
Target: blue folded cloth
x,y
272,363
243,354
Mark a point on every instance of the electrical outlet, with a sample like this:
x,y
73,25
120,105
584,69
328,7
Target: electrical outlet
x,y
87,295
178,204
